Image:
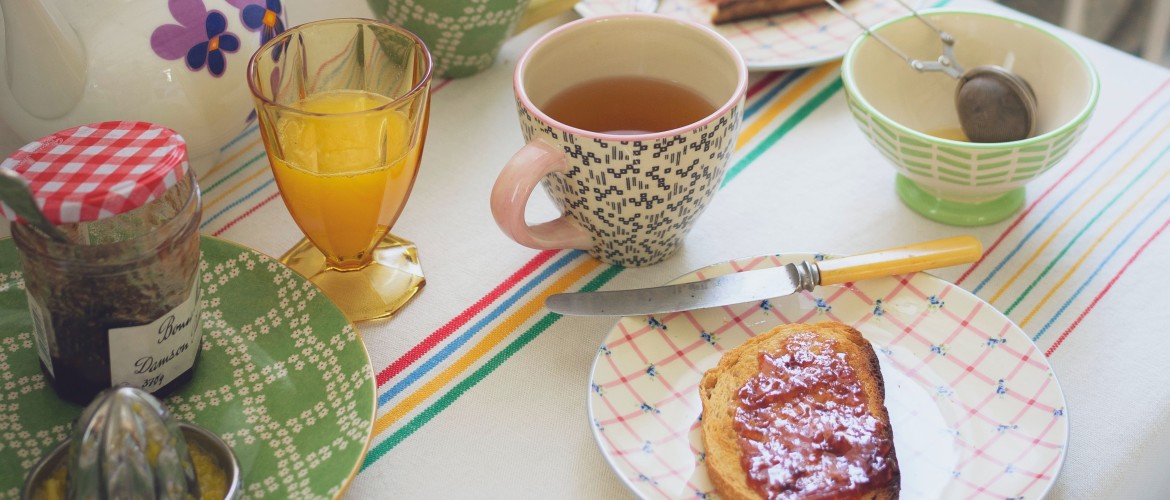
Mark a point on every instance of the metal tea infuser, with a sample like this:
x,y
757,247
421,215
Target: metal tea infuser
x,y
993,103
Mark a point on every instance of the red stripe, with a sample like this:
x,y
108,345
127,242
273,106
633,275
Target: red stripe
x,y
1069,172
436,337
1108,286
432,340
246,214
764,82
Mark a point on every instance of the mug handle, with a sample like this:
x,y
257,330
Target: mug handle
x,y
512,191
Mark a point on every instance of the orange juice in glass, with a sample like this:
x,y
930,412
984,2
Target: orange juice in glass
x,y
343,107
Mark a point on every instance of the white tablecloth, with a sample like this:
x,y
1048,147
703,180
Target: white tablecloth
x,y
483,402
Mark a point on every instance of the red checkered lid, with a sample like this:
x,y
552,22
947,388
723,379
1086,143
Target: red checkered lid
x,y
96,171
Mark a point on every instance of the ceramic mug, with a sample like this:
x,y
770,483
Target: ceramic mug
x,y
628,197
464,36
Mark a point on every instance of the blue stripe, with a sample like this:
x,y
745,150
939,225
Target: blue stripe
x,y
233,204
239,138
784,82
1083,230
450,348
1100,266
220,182
1066,197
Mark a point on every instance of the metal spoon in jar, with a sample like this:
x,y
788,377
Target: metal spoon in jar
x,y
993,103
15,193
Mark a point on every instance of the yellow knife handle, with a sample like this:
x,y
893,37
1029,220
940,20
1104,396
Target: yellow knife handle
x,y
901,260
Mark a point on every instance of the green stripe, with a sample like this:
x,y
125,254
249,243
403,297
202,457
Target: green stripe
x,y
954,163
910,141
890,146
478,375
993,175
954,173
783,129
954,181
956,152
997,154
990,166
914,152
597,282
241,168
1080,233
885,129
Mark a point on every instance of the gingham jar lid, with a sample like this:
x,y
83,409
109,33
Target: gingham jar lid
x,y
96,171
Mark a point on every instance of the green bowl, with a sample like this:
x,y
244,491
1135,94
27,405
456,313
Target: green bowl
x,y
910,116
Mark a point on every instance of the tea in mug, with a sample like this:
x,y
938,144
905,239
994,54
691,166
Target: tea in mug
x,y
628,105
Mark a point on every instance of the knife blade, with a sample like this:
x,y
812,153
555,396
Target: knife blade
x,y
769,283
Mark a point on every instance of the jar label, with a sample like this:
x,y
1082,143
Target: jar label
x,y
40,327
151,356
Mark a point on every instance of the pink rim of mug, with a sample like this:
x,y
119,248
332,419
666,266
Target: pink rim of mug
x,y
732,101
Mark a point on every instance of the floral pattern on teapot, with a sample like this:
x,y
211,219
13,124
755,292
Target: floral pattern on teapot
x,y
201,37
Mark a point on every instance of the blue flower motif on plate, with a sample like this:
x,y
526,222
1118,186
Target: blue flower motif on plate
x,y
934,303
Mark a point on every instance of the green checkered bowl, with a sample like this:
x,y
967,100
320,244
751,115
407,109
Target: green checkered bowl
x,y
910,116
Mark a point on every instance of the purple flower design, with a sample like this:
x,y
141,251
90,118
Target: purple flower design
x,y
261,15
201,37
211,51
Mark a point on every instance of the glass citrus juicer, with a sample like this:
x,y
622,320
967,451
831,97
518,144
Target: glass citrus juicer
x,y
343,106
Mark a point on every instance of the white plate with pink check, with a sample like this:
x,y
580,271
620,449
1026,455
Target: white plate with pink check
x,y
802,38
975,408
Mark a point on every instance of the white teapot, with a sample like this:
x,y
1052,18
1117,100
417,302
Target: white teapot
x,y
178,63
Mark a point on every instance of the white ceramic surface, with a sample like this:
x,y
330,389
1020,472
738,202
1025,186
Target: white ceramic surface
x,y
178,63
975,408
1062,79
796,39
627,197
909,116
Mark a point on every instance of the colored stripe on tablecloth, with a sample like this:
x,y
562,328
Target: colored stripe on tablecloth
x,y
240,208
411,401
758,95
1124,199
1105,290
1031,206
424,416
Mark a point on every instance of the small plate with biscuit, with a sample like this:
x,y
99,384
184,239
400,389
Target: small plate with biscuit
x,y
799,34
973,405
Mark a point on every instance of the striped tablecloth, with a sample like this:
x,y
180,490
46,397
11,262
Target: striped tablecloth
x,y
482,391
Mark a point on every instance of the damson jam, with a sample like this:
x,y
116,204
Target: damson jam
x,y
803,426
118,303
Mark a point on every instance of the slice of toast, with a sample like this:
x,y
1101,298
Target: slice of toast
x,y
735,10
804,365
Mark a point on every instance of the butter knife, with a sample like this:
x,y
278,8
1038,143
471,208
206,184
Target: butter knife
x,y
760,284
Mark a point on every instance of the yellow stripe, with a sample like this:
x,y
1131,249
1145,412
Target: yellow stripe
x,y
1087,253
536,304
809,81
238,185
233,157
484,346
1073,215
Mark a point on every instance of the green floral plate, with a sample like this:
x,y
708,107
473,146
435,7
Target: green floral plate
x,y
283,378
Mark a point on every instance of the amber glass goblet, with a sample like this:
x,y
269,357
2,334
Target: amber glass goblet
x,y
343,106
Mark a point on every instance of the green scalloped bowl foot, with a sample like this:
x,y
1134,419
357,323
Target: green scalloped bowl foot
x,y
958,213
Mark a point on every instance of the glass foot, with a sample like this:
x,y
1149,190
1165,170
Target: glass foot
x,y
958,213
375,291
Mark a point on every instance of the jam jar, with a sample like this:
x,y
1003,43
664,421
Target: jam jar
x,y
118,303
